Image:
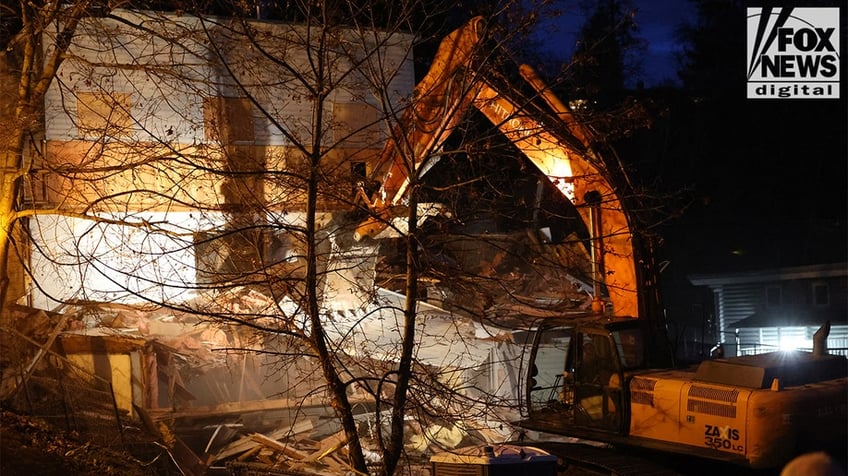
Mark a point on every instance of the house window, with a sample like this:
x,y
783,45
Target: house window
x,y
103,114
697,311
773,296
228,120
36,188
358,177
821,294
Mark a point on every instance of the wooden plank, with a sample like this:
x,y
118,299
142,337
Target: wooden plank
x,y
181,454
82,344
249,453
327,446
230,408
248,444
275,445
42,350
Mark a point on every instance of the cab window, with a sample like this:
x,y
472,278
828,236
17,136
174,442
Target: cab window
x,y
631,348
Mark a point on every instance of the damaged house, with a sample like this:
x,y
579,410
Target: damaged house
x,y
164,267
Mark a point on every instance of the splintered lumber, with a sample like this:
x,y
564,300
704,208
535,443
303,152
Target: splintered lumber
x,y
181,454
275,445
249,453
248,443
265,457
230,408
327,446
185,459
42,349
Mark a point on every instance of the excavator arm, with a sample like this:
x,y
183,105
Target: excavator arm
x,y
442,99
439,103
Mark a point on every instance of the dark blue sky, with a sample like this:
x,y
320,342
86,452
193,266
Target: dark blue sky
x,y
657,20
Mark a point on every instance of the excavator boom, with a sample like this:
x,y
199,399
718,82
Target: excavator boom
x,y
439,103
577,174
450,88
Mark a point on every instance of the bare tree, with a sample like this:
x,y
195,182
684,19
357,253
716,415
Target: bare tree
x,y
30,60
222,166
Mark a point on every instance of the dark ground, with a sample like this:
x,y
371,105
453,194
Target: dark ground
x,y
31,447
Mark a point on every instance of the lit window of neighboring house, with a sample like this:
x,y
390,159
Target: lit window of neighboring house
x,y
821,294
773,296
104,114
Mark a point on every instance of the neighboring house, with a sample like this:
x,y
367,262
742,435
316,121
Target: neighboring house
x,y
780,309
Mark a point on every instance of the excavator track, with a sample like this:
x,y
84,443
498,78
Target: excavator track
x,y
581,459
578,459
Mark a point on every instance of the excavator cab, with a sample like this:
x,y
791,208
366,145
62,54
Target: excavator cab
x,y
578,374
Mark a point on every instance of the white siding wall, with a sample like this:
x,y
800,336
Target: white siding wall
x,y
757,340
734,303
167,83
84,260
106,56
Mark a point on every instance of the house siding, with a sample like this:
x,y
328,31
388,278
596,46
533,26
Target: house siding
x,y
167,82
167,87
736,303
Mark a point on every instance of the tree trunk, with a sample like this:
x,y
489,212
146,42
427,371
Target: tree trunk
x,y
394,448
11,174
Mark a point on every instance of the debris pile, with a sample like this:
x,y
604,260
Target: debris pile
x,y
170,387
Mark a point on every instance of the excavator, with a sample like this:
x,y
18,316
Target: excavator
x,y
607,374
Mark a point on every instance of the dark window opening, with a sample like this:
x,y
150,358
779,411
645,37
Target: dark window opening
x,y
821,295
773,296
357,176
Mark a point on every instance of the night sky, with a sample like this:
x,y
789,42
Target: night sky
x,y
657,20
767,178
763,167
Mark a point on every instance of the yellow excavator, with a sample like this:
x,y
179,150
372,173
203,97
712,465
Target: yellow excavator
x,y
609,375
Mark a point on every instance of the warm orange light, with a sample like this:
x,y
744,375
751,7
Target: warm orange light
x,y
561,176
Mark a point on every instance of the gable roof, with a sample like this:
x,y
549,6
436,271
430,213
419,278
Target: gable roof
x,y
818,271
793,317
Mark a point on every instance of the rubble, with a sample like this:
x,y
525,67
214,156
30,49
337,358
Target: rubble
x,y
212,396
184,391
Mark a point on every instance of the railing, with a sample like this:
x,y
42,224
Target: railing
x,y
754,349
